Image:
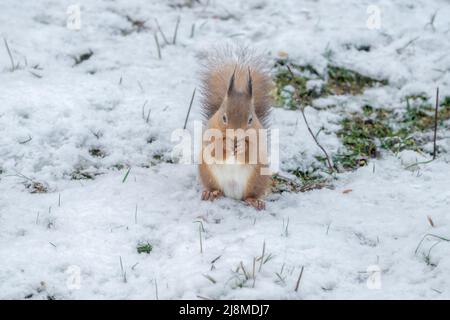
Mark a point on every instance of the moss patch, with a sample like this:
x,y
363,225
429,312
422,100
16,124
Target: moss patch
x,y
419,115
290,78
345,81
308,181
293,78
365,134
361,136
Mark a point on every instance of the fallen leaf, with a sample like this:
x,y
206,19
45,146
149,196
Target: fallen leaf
x,y
282,54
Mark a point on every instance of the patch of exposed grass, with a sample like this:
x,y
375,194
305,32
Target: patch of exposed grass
x,y
290,77
419,115
144,247
364,135
150,139
36,186
307,181
345,81
361,136
446,103
80,174
159,158
359,47
82,57
97,152
119,166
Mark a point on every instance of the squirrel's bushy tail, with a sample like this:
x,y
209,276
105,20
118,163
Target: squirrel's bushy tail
x,y
216,74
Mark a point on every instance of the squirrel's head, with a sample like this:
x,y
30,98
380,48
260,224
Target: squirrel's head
x,y
237,110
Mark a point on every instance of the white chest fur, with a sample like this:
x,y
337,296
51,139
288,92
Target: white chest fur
x,y
232,177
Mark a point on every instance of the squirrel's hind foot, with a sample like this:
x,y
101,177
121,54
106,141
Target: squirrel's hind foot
x,y
256,203
211,195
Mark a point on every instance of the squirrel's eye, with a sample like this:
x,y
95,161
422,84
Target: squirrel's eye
x,y
250,120
224,118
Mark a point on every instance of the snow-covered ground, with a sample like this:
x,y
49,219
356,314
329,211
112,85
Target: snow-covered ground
x,y
59,120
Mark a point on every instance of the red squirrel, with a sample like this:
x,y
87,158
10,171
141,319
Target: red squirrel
x,y
236,95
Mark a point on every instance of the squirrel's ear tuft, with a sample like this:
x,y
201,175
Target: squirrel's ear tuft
x,y
249,83
231,84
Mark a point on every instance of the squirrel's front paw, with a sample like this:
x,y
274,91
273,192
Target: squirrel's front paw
x,y
211,195
256,203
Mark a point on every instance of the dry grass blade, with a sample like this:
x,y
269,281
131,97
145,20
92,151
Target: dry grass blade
x,y
192,31
174,40
35,74
430,221
13,66
299,278
157,45
126,175
189,110
210,278
429,235
215,259
435,123
124,273
143,109
27,140
254,274
160,31
244,271
262,256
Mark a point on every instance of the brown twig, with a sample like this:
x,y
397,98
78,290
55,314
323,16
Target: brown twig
x,y
435,123
329,163
330,166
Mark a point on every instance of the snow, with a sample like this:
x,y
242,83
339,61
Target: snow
x,y
92,226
